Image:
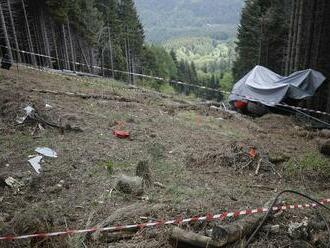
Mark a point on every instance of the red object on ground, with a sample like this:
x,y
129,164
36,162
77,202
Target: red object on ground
x,y
252,153
240,104
121,134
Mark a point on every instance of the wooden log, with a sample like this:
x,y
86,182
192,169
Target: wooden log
x,y
194,239
228,234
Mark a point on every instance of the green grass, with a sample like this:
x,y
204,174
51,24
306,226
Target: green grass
x,y
311,165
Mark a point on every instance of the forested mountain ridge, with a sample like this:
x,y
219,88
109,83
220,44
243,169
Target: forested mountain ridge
x,y
180,18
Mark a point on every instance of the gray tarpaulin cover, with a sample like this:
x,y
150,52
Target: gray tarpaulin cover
x,y
264,86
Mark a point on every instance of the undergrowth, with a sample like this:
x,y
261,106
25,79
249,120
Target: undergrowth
x,y
312,165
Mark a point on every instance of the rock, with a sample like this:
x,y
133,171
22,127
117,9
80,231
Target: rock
x,y
130,185
143,170
324,146
325,133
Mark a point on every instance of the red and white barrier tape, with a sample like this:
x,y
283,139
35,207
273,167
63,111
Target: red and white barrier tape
x,y
181,83
178,221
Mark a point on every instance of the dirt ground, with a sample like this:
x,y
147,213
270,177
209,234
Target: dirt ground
x,y
204,158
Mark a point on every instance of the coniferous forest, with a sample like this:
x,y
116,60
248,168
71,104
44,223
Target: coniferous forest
x,y
83,35
286,36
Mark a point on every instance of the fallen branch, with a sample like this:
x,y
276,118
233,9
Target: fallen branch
x,y
228,234
85,96
193,239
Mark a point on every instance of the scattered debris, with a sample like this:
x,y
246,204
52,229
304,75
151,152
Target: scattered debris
x,y
46,152
28,112
48,106
298,230
13,183
31,115
35,163
130,185
121,134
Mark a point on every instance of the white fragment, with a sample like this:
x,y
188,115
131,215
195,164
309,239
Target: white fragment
x,y
46,152
28,111
35,162
13,183
49,106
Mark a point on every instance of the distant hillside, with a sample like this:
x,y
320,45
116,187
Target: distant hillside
x,y
208,54
168,19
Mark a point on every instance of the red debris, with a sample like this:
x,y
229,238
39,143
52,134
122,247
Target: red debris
x,y
121,134
252,153
240,104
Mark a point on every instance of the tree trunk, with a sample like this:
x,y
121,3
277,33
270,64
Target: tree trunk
x,y
55,46
4,28
29,38
18,55
294,40
297,59
66,53
71,47
290,41
45,37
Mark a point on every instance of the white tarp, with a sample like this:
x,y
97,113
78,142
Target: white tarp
x,y
265,86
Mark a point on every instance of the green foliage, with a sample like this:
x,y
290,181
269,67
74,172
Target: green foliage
x,y
227,81
209,55
311,165
168,19
260,36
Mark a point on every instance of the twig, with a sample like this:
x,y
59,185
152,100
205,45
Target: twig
x,y
258,167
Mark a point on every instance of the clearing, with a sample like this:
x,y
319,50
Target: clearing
x,y
204,158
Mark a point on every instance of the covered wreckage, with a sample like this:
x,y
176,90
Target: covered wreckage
x,y
264,86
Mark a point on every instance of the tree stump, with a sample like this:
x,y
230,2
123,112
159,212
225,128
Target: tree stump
x,y
143,170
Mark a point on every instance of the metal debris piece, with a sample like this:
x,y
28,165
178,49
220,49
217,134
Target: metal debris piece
x,y
35,162
46,152
28,111
13,183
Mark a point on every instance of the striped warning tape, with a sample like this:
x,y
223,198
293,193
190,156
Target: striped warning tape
x,y
177,83
178,221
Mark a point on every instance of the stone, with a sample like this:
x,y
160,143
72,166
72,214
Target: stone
x,y
130,185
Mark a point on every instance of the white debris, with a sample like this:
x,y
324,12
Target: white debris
x,y
35,162
49,106
13,183
28,111
46,152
